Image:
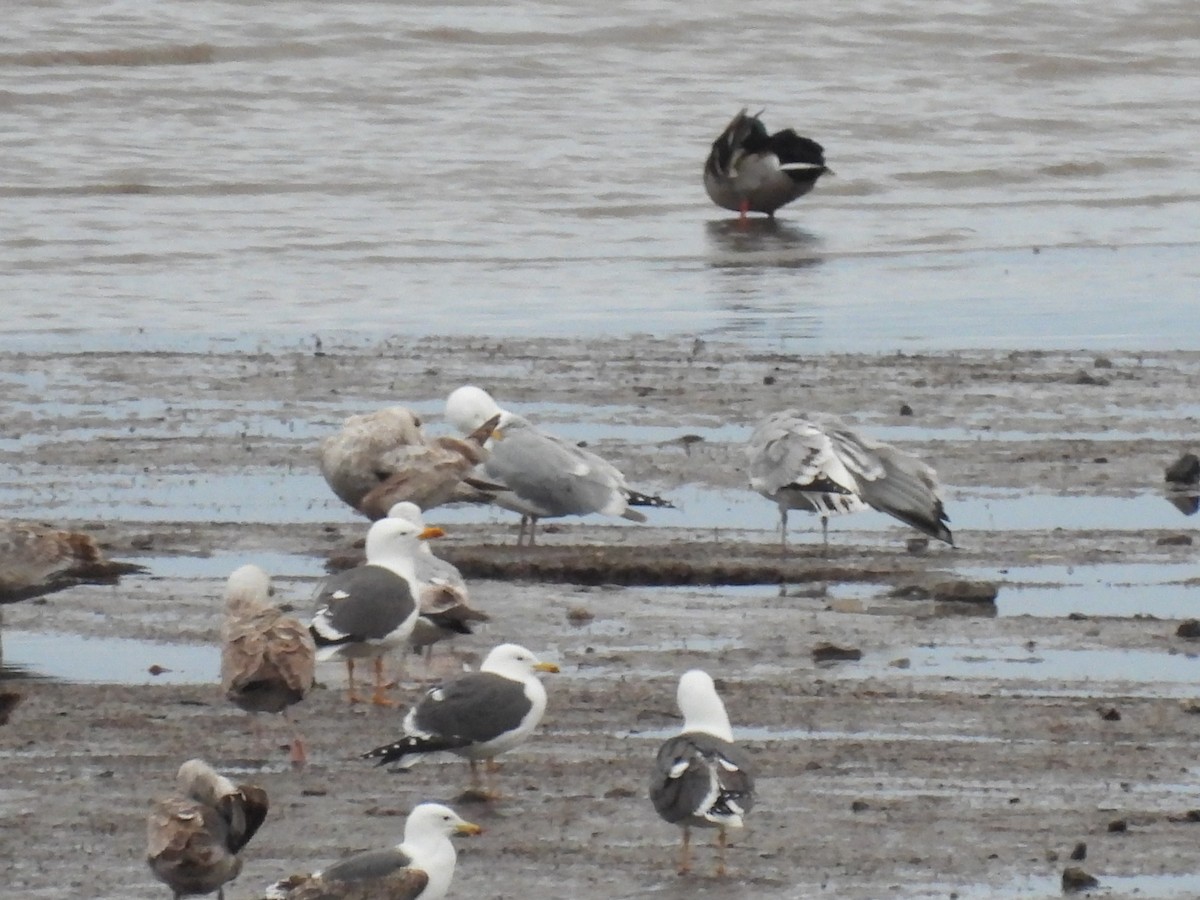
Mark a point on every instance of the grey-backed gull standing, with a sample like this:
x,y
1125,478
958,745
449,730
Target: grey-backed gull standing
x,y
476,716
370,610
546,476
268,659
701,778
751,170
419,868
193,838
815,461
378,459
443,599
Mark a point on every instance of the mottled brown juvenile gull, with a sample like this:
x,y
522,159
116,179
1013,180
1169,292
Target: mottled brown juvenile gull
x,y
370,610
421,867
476,716
545,475
701,778
268,659
37,559
443,599
382,458
816,462
751,170
193,838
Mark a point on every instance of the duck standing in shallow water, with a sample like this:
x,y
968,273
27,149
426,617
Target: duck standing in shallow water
x,y
751,170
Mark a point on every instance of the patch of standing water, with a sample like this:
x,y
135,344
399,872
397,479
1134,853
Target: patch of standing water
x,y
1065,672
1050,886
1163,590
68,657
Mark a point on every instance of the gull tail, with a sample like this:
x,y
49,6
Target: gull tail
x,y
411,746
637,498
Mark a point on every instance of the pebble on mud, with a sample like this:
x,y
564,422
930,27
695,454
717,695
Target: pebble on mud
x,y
831,652
1074,879
966,591
1184,471
1079,851
1189,629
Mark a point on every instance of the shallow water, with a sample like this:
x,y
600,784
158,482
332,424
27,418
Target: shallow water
x,y
1007,174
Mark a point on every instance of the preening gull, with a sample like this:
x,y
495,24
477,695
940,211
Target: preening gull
x,y
193,838
545,475
443,599
815,461
750,170
37,559
476,716
370,610
419,868
382,458
268,659
701,778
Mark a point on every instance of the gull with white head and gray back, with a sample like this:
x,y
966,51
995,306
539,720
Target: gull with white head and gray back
x,y
476,716
701,778
420,867
443,599
816,462
370,610
545,476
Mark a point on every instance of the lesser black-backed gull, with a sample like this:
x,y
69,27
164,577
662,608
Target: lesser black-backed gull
x,y
816,462
37,559
476,716
370,610
751,170
701,778
268,659
193,838
545,475
419,868
381,458
444,601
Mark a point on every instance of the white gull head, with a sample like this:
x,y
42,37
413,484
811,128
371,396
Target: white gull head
x,y
701,707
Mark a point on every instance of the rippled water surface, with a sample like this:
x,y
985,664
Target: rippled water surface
x,y
1006,173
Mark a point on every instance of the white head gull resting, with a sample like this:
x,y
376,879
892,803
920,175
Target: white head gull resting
x,y
476,716
268,659
193,837
701,778
419,868
816,462
370,610
382,458
545,476
750,170
443,599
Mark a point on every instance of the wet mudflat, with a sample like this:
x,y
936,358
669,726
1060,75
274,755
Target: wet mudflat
x,y
967,752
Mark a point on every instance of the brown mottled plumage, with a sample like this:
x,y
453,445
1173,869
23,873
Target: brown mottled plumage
x,y
381,458
38,559
406,884
193,837
268,659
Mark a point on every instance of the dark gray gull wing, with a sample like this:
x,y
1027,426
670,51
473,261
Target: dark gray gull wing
x,y
474,709
368,864
367,602
700,779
